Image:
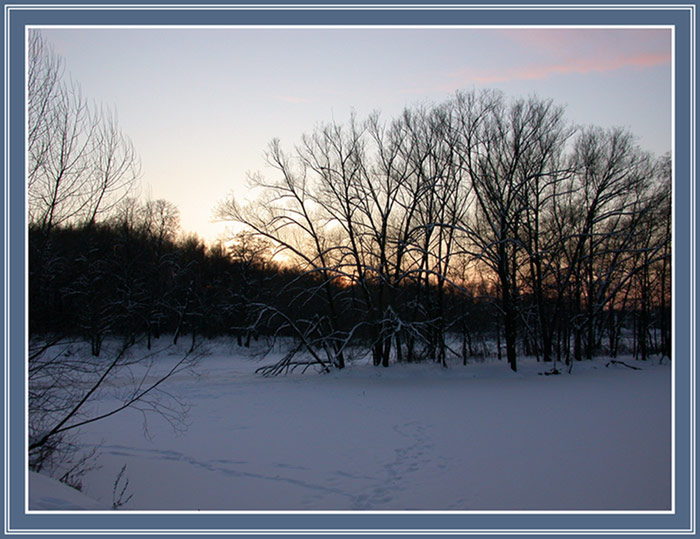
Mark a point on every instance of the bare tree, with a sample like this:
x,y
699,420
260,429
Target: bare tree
x,y
290,218
65,385
434,200
597,222
507,149
81,168
79,163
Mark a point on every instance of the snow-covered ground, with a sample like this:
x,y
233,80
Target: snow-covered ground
x,y
410,437
48,494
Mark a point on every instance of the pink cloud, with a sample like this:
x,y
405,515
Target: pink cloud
x,y
577,42
600,64
522,54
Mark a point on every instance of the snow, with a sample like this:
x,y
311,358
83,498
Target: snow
x,y
46,494
409,437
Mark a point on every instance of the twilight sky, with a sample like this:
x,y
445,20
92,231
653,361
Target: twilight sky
x,y
201,105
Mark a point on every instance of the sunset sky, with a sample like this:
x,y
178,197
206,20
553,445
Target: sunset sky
x,y
201,105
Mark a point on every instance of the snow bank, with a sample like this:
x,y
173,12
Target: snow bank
x,y
47,494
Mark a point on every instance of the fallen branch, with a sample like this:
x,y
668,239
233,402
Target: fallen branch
x,y
617,362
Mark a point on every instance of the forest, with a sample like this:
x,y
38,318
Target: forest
x,y
480,226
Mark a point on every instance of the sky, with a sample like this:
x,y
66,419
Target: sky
x,y
201,104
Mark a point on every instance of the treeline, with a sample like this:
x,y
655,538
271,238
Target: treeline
x,y
134,275
566,229
477,227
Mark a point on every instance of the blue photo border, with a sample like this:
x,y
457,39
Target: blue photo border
x,y
17,16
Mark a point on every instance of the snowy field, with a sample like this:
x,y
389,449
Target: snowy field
x,y
410,437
